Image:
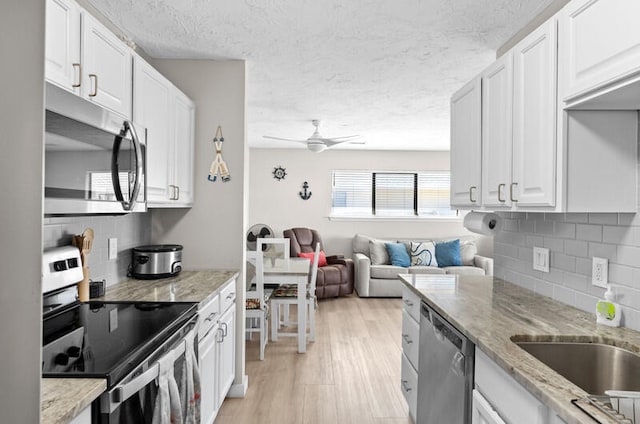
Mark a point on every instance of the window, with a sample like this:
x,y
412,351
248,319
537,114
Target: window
x,y
391,194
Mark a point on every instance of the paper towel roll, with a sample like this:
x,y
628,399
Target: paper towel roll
x,y
486,223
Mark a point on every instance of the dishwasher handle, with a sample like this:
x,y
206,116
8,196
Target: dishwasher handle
x,y
442,329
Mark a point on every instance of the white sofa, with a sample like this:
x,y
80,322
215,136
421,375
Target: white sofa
x,y
381,279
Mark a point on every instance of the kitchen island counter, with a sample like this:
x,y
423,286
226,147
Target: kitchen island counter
x,y
489,311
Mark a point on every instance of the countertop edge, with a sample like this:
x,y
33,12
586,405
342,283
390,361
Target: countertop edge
x,y
86,391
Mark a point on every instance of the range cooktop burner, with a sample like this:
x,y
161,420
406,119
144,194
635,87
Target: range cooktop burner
x,y
107,339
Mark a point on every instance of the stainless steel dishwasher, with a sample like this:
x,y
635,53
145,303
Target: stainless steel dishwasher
x,y
445,381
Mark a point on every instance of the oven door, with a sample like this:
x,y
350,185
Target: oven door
x,y
132,400
94,158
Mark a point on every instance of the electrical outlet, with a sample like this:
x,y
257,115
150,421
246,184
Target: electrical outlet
x,y
541,259
600,272
113,249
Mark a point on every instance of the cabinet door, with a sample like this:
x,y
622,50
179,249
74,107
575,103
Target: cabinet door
x,y
600,44
227,355
466,145
482,412
62,44
106,60
152,103
183,132
208,352
534,119
497,100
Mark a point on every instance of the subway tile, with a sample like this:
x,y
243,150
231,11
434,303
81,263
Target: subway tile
x,y
583,266
553,216
628,255
602,250
621,274
575,281
536,216
525,254
563,262
631,318
627,296
603,218
544,288
565,230
617,235
554,276
545,228
589,232
577,218
534,241
587,303
564,295
510,225
554,244
526,226
576,248
631,219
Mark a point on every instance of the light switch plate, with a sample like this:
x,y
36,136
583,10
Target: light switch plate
x,y
541,259
113,248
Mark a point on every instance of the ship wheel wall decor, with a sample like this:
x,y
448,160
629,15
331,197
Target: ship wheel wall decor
x,y
279,173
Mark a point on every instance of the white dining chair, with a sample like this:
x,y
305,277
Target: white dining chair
x,y
288,295
256,303
274,249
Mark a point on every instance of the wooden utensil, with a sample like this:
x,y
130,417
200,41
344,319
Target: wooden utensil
x,y
85,242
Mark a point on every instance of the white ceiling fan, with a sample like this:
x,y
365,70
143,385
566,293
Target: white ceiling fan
x,y
318,143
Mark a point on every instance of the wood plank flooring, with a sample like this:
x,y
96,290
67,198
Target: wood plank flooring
x,y
351,374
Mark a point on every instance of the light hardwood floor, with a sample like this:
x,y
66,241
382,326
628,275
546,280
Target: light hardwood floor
x,y
351,374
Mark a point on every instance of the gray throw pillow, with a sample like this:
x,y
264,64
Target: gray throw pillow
x,y
468,251
379,254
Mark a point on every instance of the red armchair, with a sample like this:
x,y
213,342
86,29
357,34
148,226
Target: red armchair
x,y
334,279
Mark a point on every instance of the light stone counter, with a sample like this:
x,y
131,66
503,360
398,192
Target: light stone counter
x,y
62,399
188,286
489,311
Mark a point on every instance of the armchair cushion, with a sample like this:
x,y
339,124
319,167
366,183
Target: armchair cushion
x,y
322,261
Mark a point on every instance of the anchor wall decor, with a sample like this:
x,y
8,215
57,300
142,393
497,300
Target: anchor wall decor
x,y
306,194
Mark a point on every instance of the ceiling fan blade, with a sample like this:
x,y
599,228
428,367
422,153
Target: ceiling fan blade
x,y
346,137
285,139
330,142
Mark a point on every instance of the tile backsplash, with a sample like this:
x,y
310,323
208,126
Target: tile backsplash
x,y
573,240
131,230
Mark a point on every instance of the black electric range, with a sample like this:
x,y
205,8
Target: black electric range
x,y
107,339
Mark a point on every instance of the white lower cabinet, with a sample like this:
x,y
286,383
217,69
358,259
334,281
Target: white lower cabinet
x,y
410,351
482,412
216,350
83,417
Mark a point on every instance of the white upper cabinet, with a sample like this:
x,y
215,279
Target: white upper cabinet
x,y
466,145
106,60
600,53
534,119
62,50
183,133
169,118
497,98
152,110
84,57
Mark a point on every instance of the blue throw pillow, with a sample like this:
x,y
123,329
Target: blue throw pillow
x,y
398,254
448,253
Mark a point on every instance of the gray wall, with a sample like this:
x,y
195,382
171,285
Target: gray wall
x,y
131,230
573,239
21,120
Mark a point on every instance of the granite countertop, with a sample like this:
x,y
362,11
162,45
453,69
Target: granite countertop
x,y
64,398
489,311
188,286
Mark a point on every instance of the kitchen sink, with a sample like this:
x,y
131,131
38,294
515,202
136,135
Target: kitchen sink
x,y
594,367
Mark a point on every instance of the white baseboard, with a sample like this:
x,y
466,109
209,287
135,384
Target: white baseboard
x,y
239,390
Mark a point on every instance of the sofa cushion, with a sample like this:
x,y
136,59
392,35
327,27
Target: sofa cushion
x,y
448,253
378,250
426,270
464,270
398,254
423,253
360,244
387,271
468,251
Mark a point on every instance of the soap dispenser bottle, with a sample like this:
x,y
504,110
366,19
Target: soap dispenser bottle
x,y
607,311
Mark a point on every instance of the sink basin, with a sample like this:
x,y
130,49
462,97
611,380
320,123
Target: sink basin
x,y
594,367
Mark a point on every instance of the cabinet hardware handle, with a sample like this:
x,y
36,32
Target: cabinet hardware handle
x,y
231,295
500,198
79,68
405,386
511,192
94,77
221,339
177,192
211,316
407,338
225,329
471,189
408,302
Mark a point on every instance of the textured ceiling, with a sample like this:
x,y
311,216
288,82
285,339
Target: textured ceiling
x,y
384,69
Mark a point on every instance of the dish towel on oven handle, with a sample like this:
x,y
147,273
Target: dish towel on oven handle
x,y
189,382
167,409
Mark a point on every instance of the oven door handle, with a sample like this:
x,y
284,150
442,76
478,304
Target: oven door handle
x,y
127,205
125,391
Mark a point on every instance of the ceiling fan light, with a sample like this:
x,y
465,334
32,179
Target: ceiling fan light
x,y
316,147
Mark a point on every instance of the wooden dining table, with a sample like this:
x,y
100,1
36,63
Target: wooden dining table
x,y
292,271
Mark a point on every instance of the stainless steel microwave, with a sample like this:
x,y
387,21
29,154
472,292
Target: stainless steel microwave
x,y
94,158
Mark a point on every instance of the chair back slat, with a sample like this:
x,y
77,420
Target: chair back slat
x,y
314,271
